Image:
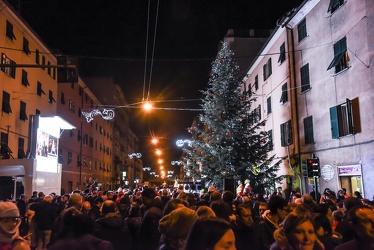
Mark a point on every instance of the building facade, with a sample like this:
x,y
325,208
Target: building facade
x,y
313,83
33,82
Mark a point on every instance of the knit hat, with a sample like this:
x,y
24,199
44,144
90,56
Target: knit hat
x,y
178,223
8,209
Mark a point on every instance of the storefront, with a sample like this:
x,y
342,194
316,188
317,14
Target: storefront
x,y
350,177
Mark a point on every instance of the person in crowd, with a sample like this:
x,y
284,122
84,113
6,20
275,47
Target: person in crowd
x,y
344,227
133,221
210,233
296,233
77,233
22,204
175,227
361,219
165,197
358,195
244,228
205,211
329,238
76,201
341,195
9,224
261,208
111,227
174,204
337,217
271,221
96,208
149,235
45,215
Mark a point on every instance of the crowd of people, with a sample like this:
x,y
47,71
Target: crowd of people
x,y
175,219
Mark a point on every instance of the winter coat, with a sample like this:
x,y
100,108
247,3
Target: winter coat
x,y
112,228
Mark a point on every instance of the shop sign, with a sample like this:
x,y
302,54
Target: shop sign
x,y
349,170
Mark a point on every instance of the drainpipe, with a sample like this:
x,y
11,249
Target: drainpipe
x,y
294,107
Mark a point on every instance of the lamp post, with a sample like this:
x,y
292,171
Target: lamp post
x,y
81,142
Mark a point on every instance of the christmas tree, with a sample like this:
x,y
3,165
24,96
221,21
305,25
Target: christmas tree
x,y
229,140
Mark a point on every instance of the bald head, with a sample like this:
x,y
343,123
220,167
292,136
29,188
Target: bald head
x,y
109,206
86,206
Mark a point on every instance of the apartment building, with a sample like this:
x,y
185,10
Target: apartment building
x,y
313,82
36,85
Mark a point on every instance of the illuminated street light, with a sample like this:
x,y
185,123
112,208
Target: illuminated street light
x,y
158,152
160,161
147,106
154,140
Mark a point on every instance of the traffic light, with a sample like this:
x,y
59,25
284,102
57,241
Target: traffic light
x,y
313,167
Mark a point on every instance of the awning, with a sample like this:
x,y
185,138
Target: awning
x,y
15,170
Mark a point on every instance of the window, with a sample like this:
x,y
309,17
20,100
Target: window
x,y
305,80
79,136
5,151
37,57
79,112
21,148
71,133
9,31
70,104
39,90
49,69
50,97
80,90
25,47
341,58
256,82
282,53
268,102
301,30
22,111
334,5
345,118
25,80
267,70
43,61
91,142
270,138
37,112
62,98
286,133
284,96
308,130
70,158
10,71
6,103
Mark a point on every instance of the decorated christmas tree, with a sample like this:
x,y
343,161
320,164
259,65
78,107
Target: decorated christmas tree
x,y
229,140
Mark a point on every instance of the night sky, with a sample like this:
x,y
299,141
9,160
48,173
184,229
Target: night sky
x,y
109,39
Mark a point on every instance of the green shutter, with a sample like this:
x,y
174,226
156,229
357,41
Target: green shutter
x,y
308,130
356,116
264,71
270,71
305,81
334,122
282,134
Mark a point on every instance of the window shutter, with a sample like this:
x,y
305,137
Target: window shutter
x,y
259,112
334,122
308,130
289,133
282,135
356,116
264,71
269,68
